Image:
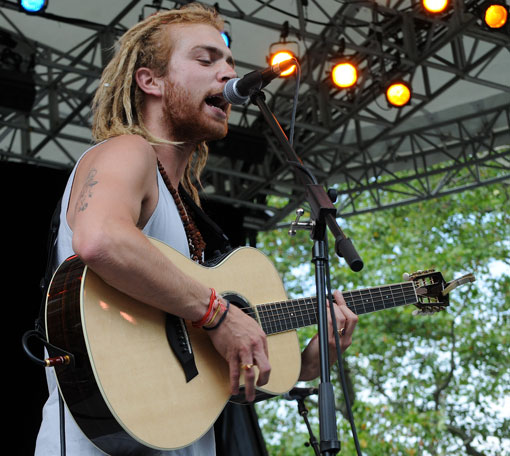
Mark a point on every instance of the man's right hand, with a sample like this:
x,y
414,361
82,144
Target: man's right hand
x,y
241,341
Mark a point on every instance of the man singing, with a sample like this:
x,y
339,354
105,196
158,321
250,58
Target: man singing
x,y
158,102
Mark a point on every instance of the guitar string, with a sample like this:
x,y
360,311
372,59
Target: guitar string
x,y
281,323
276,318
279,315
352,301
353,304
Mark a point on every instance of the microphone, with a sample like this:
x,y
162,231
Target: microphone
x,y
238,90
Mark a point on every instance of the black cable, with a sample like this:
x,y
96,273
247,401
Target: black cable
x,y
61,412
52,349
297,164
38,335
24,342
295,101
303,168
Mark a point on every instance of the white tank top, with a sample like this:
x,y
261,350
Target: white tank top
x,y
164,224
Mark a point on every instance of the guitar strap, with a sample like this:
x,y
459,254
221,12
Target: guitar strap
x,y
216,241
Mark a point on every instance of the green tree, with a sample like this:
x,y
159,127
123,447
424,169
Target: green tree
x,y
421,385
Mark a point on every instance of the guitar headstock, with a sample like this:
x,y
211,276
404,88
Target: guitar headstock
x,y
433,291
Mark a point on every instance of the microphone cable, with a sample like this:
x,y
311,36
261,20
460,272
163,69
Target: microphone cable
x,y
62,358
295,102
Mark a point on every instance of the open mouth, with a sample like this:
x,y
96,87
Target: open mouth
x,y
217,101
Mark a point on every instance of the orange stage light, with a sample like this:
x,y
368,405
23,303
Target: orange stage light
x,y
398,94
344,75
435,6
282,56
495,15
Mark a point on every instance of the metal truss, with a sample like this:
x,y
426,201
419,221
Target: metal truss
x,y
447,140
379,157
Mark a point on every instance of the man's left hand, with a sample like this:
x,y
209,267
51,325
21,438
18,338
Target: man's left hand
x,y
346,321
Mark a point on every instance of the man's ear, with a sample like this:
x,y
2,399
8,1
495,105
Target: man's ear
x,y
149,83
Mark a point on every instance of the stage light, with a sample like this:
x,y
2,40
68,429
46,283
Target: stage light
x,y
435,6
344,75
282,56
398,93
283,50
226,34
33,6
226,38
495,14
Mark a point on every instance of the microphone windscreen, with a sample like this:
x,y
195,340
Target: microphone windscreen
x,y
231,94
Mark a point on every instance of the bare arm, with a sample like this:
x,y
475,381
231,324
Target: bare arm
x,y
114,193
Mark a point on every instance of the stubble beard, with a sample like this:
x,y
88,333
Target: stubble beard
x,y
184,118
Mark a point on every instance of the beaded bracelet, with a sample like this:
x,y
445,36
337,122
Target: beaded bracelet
x,y
205,318
222,318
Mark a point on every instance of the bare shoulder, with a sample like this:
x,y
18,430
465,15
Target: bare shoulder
x,y
127,151
122,167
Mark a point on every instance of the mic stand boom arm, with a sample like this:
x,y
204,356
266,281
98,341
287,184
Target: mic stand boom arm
x,y
322,209
323,214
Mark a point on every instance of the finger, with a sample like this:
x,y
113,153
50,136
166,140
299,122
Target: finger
x,y
340,321
350,318
339,299
235,372
249,379
264,368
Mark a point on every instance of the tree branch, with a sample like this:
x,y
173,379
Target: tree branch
x,y
466,440
441,387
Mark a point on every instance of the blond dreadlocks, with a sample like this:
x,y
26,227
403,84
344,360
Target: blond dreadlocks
x,y
118,101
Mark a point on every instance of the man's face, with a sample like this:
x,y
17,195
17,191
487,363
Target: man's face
x,y
200,65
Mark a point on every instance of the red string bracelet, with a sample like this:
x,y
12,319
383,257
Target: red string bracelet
x,y
222,318
214,313
203,320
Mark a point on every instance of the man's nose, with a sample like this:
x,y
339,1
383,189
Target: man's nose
x,y
227,72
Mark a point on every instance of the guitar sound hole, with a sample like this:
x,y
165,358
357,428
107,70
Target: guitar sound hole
x,y
240,302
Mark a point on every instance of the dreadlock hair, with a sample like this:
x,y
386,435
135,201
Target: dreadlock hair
x,y
118,101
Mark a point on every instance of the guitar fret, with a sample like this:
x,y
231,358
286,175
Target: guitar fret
x,y
293,316
287,315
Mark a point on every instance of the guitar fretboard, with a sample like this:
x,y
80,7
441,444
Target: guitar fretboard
x,y
276,317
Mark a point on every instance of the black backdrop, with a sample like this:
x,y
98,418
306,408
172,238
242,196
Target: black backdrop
x,y
29,195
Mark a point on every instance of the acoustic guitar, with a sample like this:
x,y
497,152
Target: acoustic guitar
x,y
142,381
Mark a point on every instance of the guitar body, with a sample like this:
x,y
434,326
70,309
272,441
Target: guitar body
x,y
127,390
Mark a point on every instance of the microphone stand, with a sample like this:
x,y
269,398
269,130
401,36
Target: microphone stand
x,y
323,214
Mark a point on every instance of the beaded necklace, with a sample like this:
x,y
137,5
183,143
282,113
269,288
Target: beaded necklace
x,y
195,241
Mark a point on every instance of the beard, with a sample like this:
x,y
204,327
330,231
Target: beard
x,y
185,119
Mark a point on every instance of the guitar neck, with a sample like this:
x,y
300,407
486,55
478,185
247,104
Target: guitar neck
x,y
284,316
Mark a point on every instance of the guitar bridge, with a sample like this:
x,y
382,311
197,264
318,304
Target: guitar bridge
x,y
178,339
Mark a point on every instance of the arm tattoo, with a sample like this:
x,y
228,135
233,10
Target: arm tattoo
x,y
86,191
